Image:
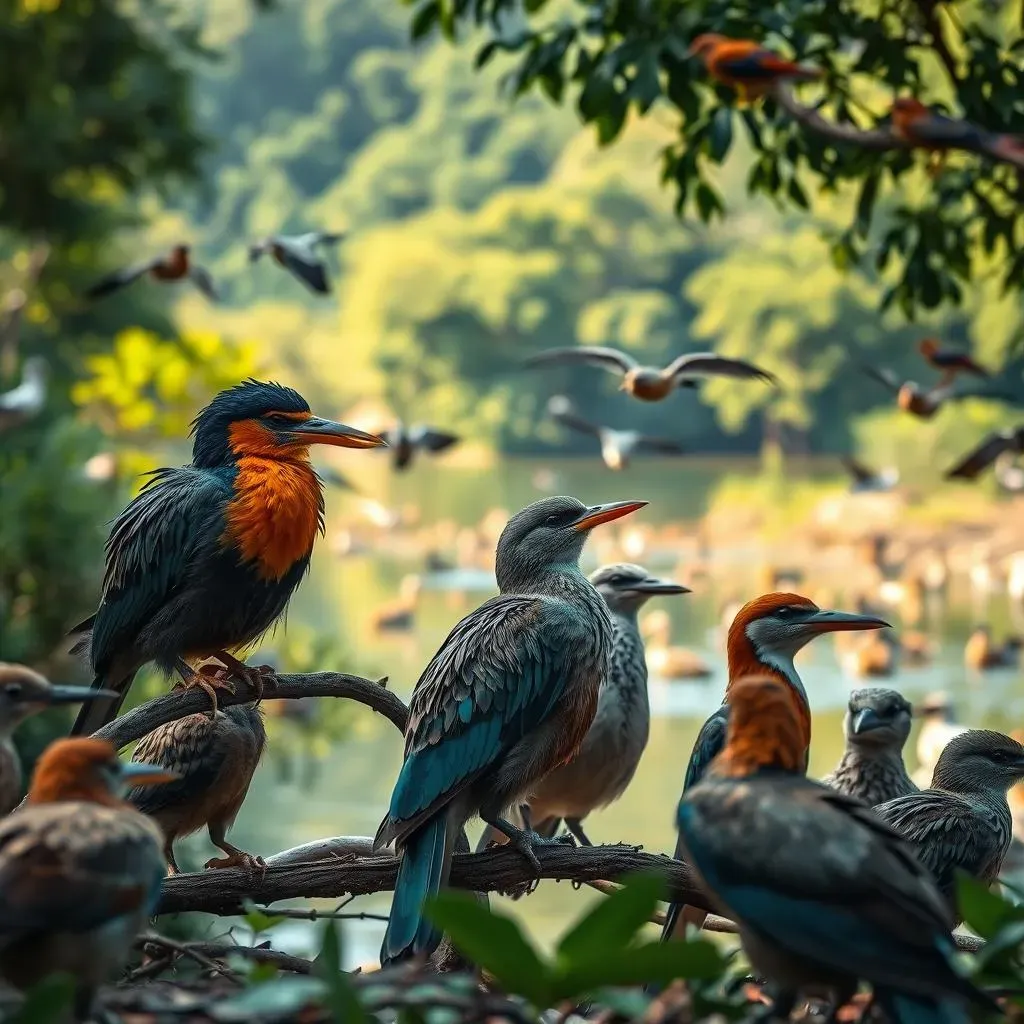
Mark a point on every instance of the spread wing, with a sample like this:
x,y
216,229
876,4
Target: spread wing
x,y
708,364
561,410
883,376
432,440
302,262
120,279
979,459
203,280
661,444
610,359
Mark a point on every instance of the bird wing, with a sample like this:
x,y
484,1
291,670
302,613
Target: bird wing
x,y
432,440
302,262
957,361
708,745
312,239
610,359
707,364
745,64
883,376
980,458
119,279
661,444
203,280
561,410
945,131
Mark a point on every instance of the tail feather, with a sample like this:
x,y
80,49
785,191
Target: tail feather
x,y
902,1008
97,713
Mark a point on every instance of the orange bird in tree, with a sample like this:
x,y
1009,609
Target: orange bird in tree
x,y
746,66
177,265
948,360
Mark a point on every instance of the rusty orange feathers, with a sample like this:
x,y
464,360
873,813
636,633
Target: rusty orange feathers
x,y
747,66
764,730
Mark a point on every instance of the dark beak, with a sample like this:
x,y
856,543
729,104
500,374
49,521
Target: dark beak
x,y
598,514
319,431
652,585
75,694
836,622
865,720
139,774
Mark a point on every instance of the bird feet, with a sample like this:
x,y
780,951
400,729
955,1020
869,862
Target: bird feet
x,y
525,840
249,862
208,677
257,676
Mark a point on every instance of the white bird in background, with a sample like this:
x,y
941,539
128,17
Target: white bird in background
x,y
26,400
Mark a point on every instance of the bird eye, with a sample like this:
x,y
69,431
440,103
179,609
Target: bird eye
x,y
553,520
279,420
13,690
784,612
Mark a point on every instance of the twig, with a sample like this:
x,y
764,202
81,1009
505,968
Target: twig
x,y
261,954
187,949
295,914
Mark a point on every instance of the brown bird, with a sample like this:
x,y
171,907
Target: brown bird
x,y
924,403
746,66
177,265
298,255
978,459
949,361
214,761
649,383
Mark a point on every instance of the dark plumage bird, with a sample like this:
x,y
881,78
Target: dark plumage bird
x,y
871,769
24,693
80,870
617,446
214,760
979,458
649,383
950,361
205,559
963,821
824,894
298,255
510,695
924,403
177,265
406,441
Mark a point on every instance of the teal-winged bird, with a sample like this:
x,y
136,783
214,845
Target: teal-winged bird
x,y
80,870
963,821
509,695
299,255
876,727
23,693
169,268
205,559
824,893
764,638
405,441
214,760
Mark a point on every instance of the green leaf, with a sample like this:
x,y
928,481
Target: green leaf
x,y
984,910
341,996
866,203
1008,939
46,1002
533,6
484,54
797,194
596,96
646,85
720,134
258,920
424,19
708,202
492,941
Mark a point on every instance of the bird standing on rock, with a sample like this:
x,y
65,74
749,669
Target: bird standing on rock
x,y
824,894
205,559
509,696
177,265
298,255
876,725
80,870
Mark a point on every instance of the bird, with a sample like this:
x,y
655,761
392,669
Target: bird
x,y
27,399
206,557
938,727
923,128
962,822
865,480
405,441
876,727
950,361
298,255
176,265
764,637
23,693
924,403
982,653
617,446
509,696
80,870
611,751
214,761
983,455
824,894
648,383
748,67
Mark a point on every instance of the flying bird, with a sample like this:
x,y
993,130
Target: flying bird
x,y
205,559
27,399
405,441
298,255
978,459
923,128
509,696
865,480
617,446
80,870
748,67
950,361
177,265
924,403
649,383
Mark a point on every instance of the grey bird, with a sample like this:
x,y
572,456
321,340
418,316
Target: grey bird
x,y
404,441
298,255
617,446
876,725
27,399
963,822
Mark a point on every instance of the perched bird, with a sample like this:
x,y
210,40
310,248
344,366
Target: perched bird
x,y
21,403
177,265
924,128
405,441
214,761
617,446
648,382
963,822
748,67
982,653
824,894
978,459
298,255
509,696
763,639
876,726
24,693
950,361
80,870
924,403
206,557
864,479
938,727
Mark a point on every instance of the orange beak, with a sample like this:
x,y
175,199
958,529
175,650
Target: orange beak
x,y
320,431
598,514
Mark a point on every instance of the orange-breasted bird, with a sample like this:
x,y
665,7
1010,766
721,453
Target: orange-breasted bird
x,y
924,403
748,67
80,870
950,361
205,558
176,265
924,128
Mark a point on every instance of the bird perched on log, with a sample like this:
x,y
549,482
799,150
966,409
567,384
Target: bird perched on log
x,y
649,383
80,870
177,265
617,446
24,693
865,480
824,894
214,761
963,822
982,653
298,255
509,696
924,403
748,67
405,441
978,459
923,128
206,557
876,726
950,361
765,636
27,400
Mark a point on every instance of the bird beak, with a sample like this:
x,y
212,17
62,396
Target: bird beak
x,y
836,622
319,431
652,585
75,694
865,720
598,514
139,774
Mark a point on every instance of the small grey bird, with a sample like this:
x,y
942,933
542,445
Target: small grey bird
x,y
298,255
963,821
404,441
27,399
876,725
